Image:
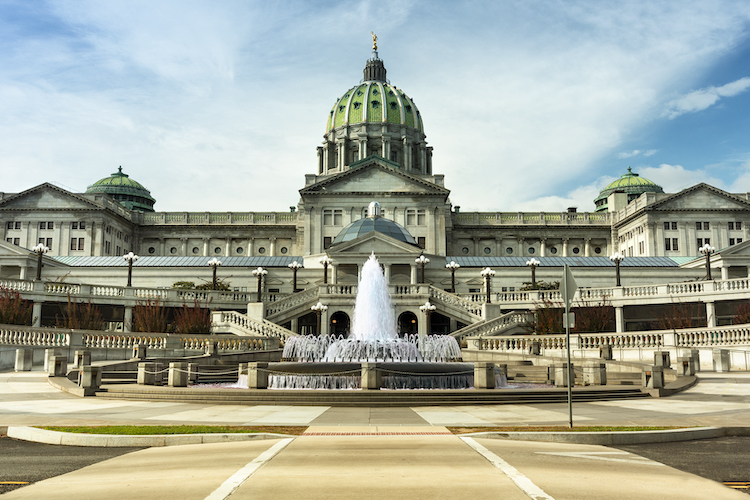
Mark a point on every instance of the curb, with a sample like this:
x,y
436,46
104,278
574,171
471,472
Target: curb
x,y
618,437
120,441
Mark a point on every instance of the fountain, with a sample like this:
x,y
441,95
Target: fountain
x,y
409,362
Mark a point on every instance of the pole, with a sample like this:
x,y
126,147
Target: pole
x,y
130,272
567,343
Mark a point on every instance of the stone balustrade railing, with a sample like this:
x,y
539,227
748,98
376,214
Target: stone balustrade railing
x,y
535,218
474,309
17,285
292,301
202,218
494,327
242,324
29,336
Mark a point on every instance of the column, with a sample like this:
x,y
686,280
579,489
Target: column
x,y
127,322
619,320
587,247
320,160
161,246
565,247
542,247
25,272
476,246
272,251
521,252
716,240
710,315
295,325
227,246
334,273
387,273
36,314
724,271
205,247
183,246
658,244
413,268
250,247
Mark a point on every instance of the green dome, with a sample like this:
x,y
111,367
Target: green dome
x,y
631,184
131,194
374,100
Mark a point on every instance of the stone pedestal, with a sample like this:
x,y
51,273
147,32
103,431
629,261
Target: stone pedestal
x,y
24,360
606,352
212,349
661,358
371,376
484,375
192,372
82,358
158,373
139,352
178,374
684,366
721,360
695,355
535,348
48,353
561,374
653,377
58,366
146,373
90,378
257,375
594,373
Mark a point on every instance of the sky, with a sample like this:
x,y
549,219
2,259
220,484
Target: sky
x,y
529,105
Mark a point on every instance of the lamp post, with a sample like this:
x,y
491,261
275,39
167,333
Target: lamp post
x,y
319,308
707,250
617,258
422,261
326,261
40,250
214,263
427,308
533,264
487,274
294,266
259,273
130,257
453,266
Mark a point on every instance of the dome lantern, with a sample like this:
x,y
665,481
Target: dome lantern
x,y
629,183
129,193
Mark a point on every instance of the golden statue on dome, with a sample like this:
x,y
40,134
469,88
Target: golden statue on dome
x,y
374,41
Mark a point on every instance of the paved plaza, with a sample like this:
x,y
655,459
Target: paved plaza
x,y
378,452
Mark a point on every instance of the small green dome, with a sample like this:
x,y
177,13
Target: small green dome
x,y
131,194
370,224
631,184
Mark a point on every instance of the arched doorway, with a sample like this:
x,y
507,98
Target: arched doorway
x,y
339,324
407,323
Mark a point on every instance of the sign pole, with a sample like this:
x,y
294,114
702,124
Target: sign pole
x,y
569,288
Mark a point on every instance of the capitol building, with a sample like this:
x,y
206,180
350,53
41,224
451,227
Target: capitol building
x,y
372,188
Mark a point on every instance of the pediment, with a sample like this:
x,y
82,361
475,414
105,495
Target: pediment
x,y
739,250
372,178
702,197
378,243
47,197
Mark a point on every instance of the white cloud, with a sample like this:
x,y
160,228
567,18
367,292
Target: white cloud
x,y
699,100
674,178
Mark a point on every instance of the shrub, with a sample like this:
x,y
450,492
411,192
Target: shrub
x,y
79,316
195,319
742,314
13,309
150,316
591,317
183,285
681,315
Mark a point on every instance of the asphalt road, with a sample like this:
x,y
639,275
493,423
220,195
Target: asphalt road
x,y
722,459
25,462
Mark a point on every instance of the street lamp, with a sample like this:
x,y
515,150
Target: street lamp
x,y
214,263
326,261
487,274
319,308
40,250
617,258
533,264
294,266
453,266
422,261
130,257
259,273
707,250
427,308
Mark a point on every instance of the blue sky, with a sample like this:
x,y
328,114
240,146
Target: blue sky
x,y
529,105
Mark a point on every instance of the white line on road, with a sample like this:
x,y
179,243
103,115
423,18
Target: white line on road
x,y
523,482
235,481
596,455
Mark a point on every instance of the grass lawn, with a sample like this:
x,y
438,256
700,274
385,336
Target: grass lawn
x,y
144,430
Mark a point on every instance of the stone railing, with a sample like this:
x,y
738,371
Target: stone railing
x,y
17,285
494,326
472,308
223,218
241,324
719,336
35,337
535,218
292,301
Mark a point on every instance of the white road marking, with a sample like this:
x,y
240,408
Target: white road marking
x,y
523,482
595,455
235,481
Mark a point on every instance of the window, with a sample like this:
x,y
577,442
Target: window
x,y
465,250
576,250
333,217
326,242
598,250
81,243
82,225
73,225
107,247
217,250
42,225
553,250
172,250
487,250
46,242
674,226
703,241
532,250
641,248
698,226
674,244
509,250
738,226
739,240
731,240
10,225
50,225
74,243
16,241
284,250
667,244
730,226
239,250
151,250
666,226
195,250
706,227
118,250
415,217
421,241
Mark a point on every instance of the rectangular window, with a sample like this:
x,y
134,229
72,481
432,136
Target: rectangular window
x,y
700,242
73,225
641,248
118,251
326,242
73,243
707,241
16,241
738,226
18,225
674,244
731,240
730,226
49,243
82,225
706,227
739,240
333,217
80,243
50,225
9,240
415,217
421,241
107,247
41,241
666,226
667,245
674,226
10,225
698,226
42,225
